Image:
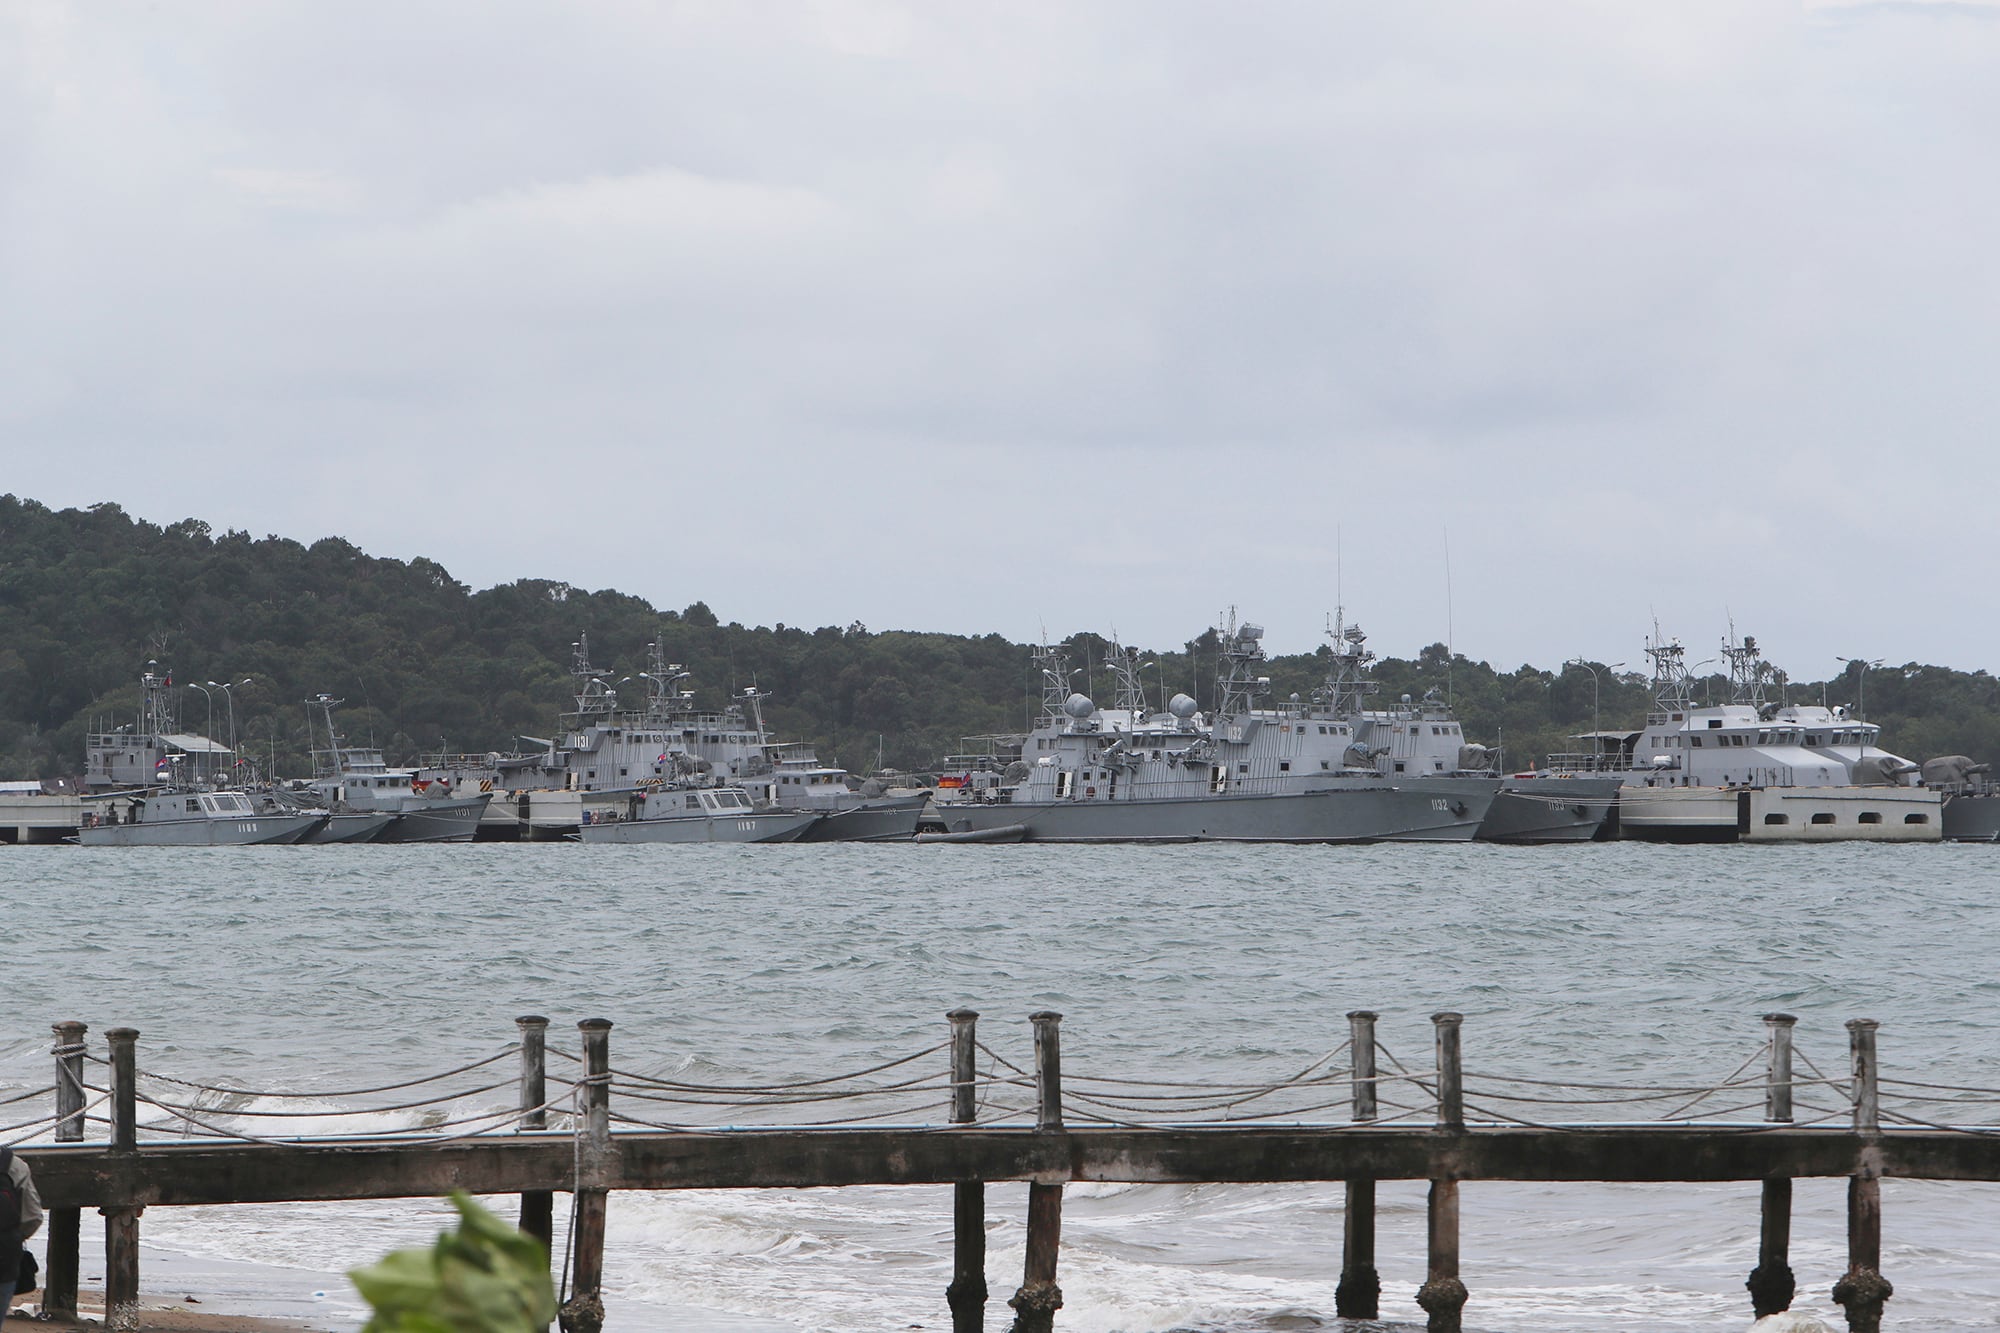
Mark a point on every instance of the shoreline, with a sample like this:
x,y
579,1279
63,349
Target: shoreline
x,y
187,1294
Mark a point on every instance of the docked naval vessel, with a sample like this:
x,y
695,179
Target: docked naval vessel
x,y
181,817
1426,738
355,779
711,813
1128,773
605,752
1755,769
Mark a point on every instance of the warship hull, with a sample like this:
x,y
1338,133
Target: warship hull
x,y
428,819
235,831
353,826
1780,814
1539,810
884,819
1428,810
1972,817
736,826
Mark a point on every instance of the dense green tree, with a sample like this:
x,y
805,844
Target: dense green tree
x,y
88,596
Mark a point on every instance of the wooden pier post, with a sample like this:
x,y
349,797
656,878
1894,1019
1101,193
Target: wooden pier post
x,y
1359,1295
1036,1303
1443,1296
1772,1283
59,1275
121,1224
583,1312
537,1206
1862,1290
967,1293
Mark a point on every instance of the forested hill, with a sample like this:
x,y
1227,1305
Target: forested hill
x,y
427,664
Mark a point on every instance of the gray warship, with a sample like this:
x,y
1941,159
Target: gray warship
x,y
355,780
697,814
1252,774
187,818
1427,738
604,753
158,786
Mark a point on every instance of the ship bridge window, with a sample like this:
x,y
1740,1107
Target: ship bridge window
x,y
1714,722
1695,741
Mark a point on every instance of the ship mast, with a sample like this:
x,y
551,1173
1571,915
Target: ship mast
x,y
1672,687
1054,669
1348,683
1747,672
1239,685
1129,689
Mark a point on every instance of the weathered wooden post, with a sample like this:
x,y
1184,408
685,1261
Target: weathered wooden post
x,y
1862,1290
1359,1295
967,1293
1443,1295
1036,1303
1772,1283
121,1224
65,1227
537,1206
583,1312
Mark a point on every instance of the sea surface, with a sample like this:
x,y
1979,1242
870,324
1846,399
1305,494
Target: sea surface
x,y
331,969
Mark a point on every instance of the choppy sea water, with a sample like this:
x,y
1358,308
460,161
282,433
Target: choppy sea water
x,y
338,967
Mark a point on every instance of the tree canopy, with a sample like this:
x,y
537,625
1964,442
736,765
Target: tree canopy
x,y
88,596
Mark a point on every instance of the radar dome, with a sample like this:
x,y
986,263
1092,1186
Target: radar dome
x,y
1079,706
1181,707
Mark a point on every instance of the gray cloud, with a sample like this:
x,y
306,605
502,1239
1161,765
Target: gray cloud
x,y
984,317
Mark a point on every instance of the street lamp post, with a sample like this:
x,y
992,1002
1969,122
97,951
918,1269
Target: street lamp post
x,y
1861,693
209,727
228,689
1578,661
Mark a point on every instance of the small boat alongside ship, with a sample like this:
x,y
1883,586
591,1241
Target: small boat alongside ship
x,y
697,814
182,818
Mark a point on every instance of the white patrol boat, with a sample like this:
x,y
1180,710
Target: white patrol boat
x,y
1752,770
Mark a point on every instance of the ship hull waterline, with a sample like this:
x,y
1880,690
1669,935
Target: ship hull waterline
x,y
1550,810
237,831
744,827
1427,810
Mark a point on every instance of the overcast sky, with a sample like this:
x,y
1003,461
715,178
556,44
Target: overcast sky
x,y
997,317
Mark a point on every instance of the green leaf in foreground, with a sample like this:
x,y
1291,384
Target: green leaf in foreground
x,y
485,1277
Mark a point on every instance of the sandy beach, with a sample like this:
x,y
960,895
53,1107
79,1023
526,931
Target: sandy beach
x,y
210,1296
